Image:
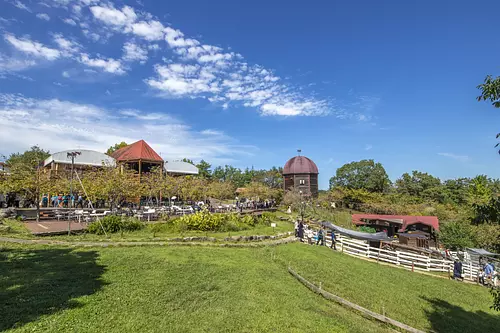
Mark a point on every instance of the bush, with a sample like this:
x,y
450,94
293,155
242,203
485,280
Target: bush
x,y
367,229
206,221
457,235
112,224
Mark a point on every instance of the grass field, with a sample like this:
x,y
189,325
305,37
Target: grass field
x,y
190,289
417,300
178,289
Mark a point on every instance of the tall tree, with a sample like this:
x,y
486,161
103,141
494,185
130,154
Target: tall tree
x,y
117,146
365,174
418,184
187,160
204,169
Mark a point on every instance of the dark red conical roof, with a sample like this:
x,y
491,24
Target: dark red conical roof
x,y
300,164
139,150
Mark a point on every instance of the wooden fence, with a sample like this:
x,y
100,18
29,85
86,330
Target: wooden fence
x,y
408,260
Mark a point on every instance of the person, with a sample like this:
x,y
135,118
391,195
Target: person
x,y
54,201
45,201
321,236
72,201
333,241
488,272
296,229
457,270
80,201
300,229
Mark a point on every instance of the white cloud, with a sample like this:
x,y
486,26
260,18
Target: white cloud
x,y
461,158
10,64
368,147
58,125
108,65
43,16
67,47
133,52
69,21
154,47
21,6
66,74
31,47
152,30
114,17
211,132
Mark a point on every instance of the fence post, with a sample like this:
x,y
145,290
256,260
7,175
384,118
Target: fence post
x,y
470,270
368,250
397,258
413,266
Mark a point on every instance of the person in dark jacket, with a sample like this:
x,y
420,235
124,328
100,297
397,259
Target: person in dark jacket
x,y
301,231
321,236
457,270
333,241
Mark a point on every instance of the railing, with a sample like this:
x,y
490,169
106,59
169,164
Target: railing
x,y
408,260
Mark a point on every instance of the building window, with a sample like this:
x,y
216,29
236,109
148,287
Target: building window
x,y
302,182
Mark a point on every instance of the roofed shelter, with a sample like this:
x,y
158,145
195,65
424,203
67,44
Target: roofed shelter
x,y
138,156
180,168
397,224
85,159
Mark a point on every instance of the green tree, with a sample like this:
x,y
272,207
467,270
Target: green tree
x,y
32,157
456,235
27,177
187,160
365,174
204,169
117,146
419,184
490,91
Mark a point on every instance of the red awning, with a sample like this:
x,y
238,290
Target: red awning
x,y
408,220
139,150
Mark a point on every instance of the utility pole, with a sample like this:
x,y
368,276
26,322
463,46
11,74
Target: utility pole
x,y
72,155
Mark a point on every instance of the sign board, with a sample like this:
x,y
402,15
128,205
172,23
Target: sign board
x,y
273,225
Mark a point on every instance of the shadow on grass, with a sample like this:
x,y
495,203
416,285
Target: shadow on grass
x,y
39,282
448,318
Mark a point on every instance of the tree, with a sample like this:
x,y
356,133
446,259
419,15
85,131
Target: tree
x,y
152,184
204,169
456,235
27,177
114,148
32,157
187,160
490,91
419,184
365,174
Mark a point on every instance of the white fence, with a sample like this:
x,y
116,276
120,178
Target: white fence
x,y
403,259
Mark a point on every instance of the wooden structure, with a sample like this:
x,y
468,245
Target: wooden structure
x,y
414,240
426,226
301,173
138,156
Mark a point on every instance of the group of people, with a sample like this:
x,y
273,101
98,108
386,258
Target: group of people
x,y
303,231
63,201
488,273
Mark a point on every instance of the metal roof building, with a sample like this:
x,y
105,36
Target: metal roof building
x,y
180,168
90,158
301,173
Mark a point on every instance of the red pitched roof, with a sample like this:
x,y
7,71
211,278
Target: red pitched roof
x,y
139,150
407,220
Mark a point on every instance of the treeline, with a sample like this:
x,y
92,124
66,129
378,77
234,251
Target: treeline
x,y
468,208
29,180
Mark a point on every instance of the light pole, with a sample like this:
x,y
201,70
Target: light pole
x,y
72,155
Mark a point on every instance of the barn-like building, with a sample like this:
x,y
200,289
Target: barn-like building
x,y
302,173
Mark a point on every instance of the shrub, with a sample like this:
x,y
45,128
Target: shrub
x,y
367,229
206,221
456,235
114,224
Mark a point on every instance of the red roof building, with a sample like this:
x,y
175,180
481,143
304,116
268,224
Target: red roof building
x,y
136,151
138,156
397,223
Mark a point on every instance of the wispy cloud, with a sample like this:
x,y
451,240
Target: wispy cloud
x,y
461,158
43,16
21,5
368,147
57,125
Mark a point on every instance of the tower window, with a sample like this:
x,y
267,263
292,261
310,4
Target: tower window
x,y
302,182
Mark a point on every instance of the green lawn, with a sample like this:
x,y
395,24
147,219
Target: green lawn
x,y
417,300
158,289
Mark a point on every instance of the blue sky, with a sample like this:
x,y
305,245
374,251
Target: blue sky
x,y
247,83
